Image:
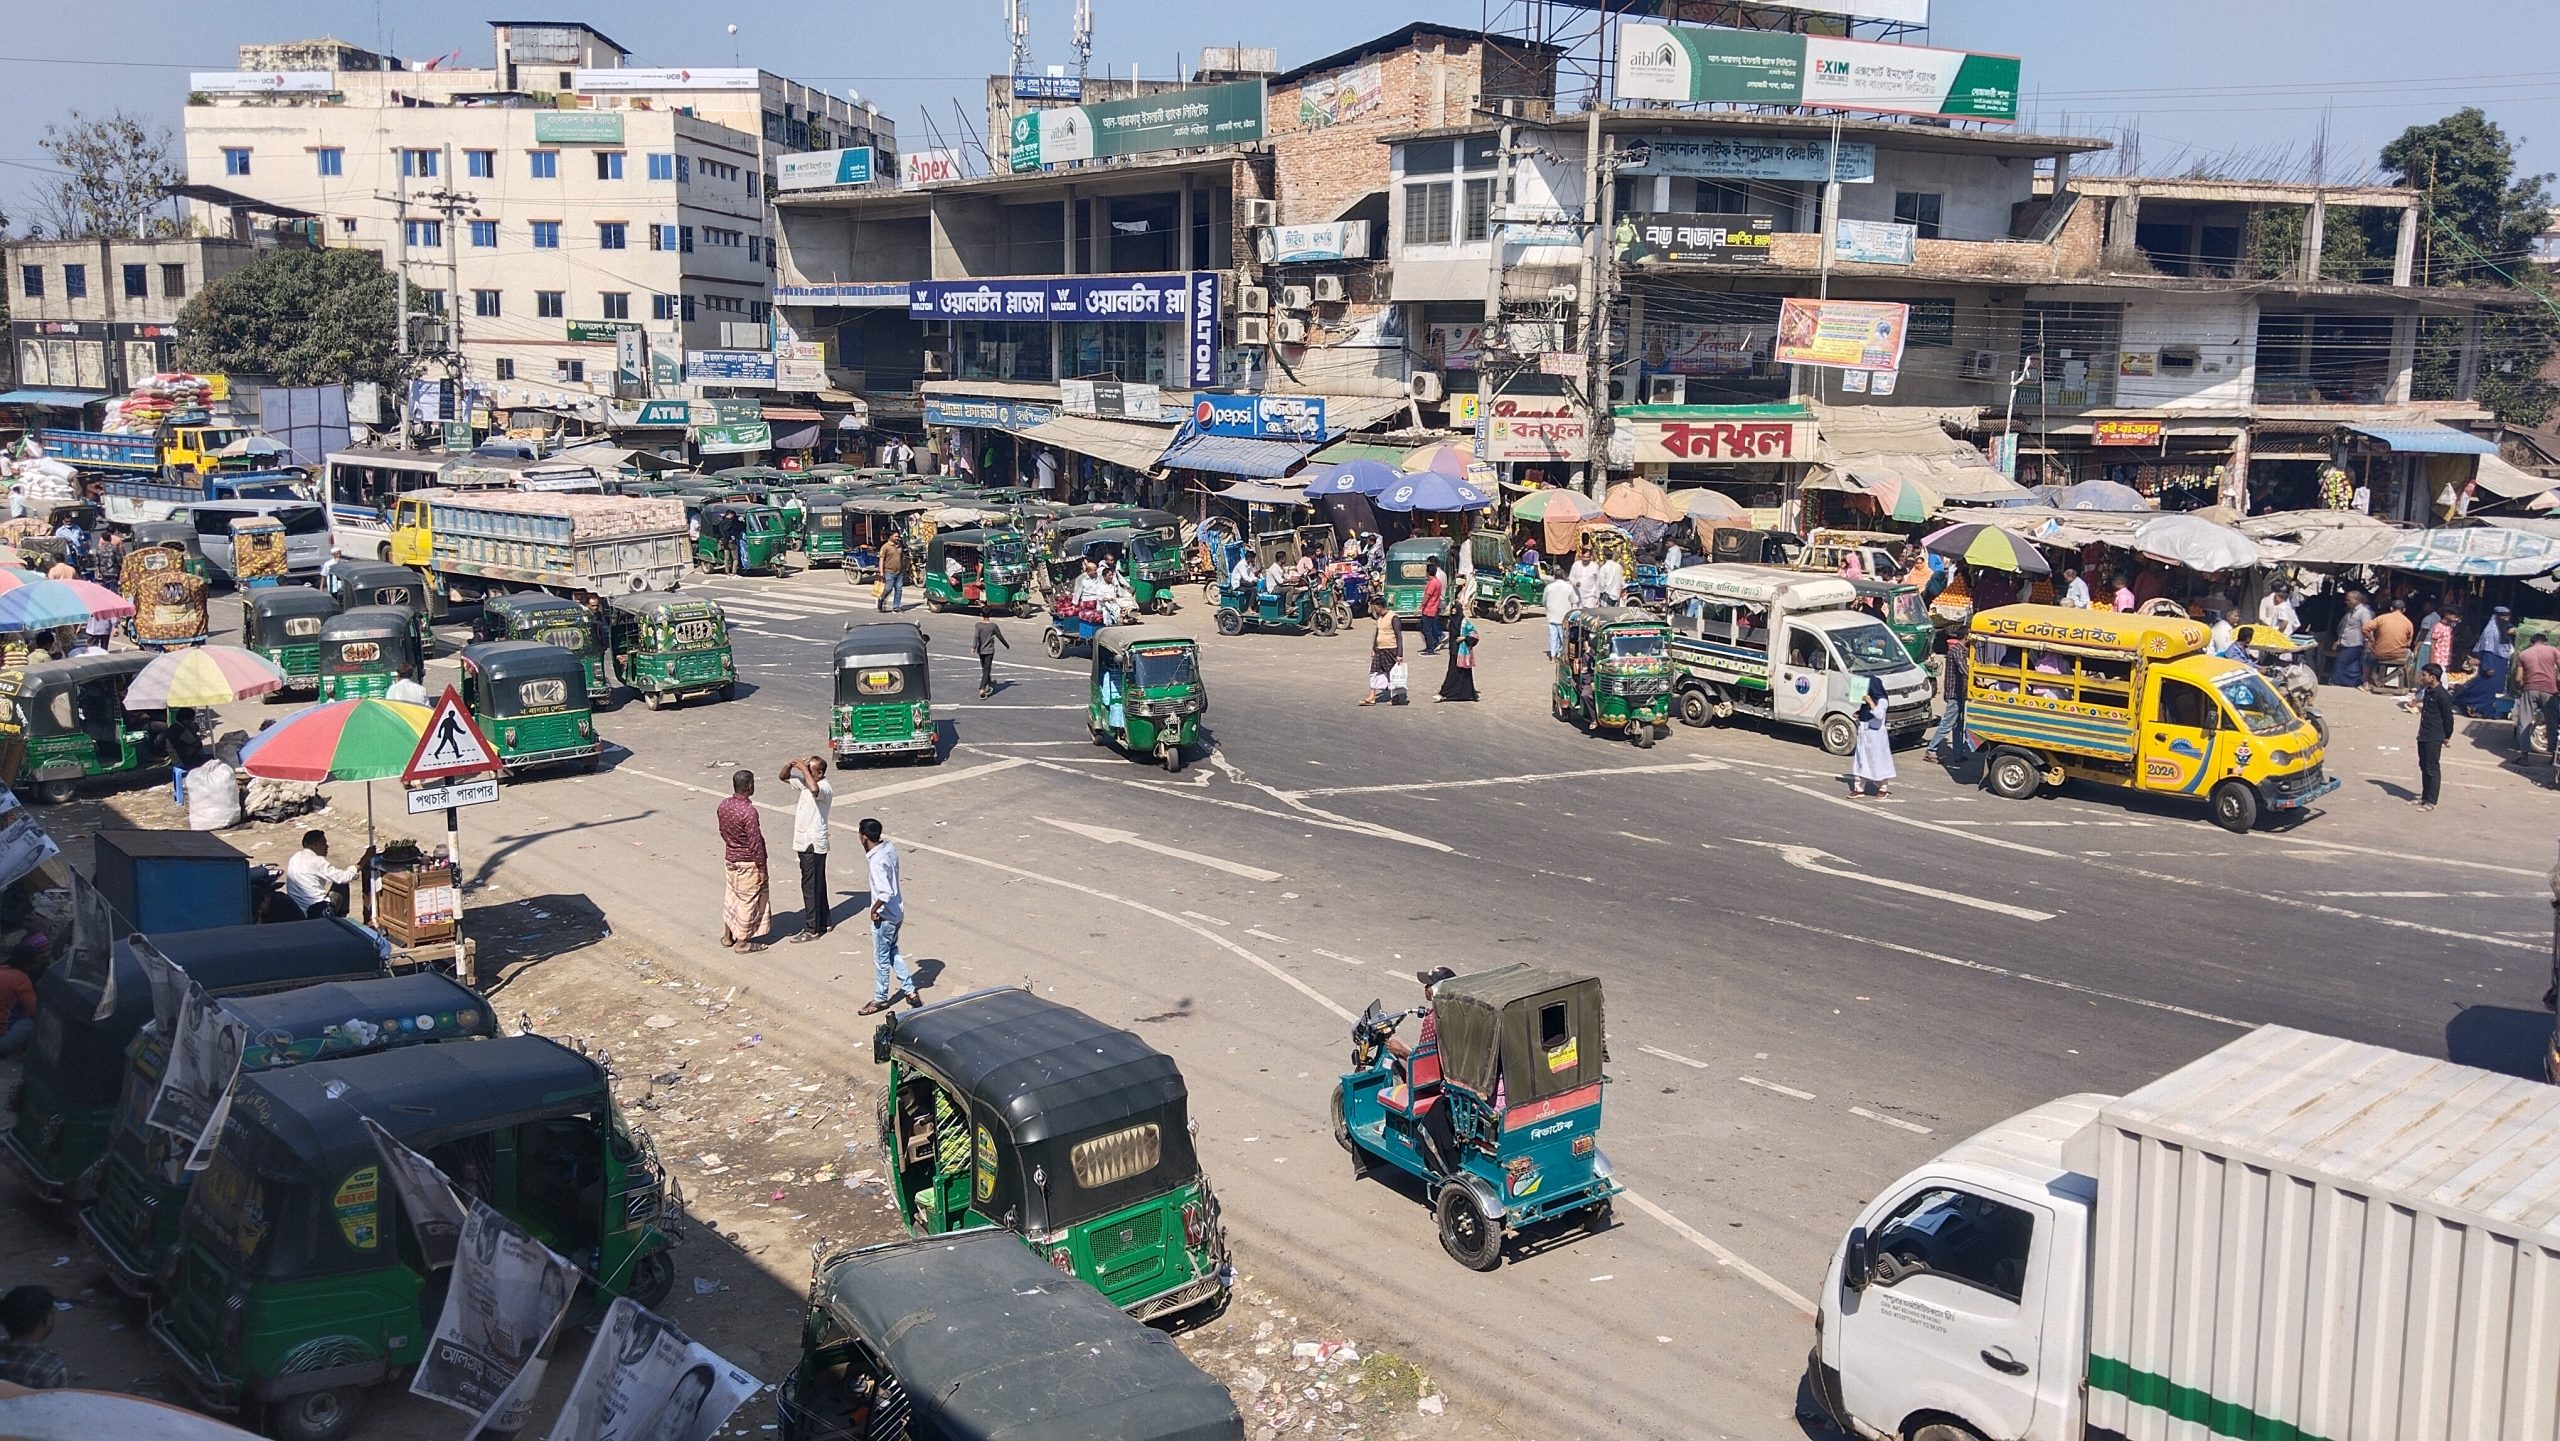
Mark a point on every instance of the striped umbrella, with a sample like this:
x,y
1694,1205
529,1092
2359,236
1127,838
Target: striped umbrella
x,y
345,740
202,676
12,577
1452,459
46,604
1987,546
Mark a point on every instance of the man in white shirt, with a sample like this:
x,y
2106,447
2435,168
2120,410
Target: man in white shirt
x,y
1613,581
1560,599
2075,593
1240,576
1585,576
404,687
308,876
2276,612
811,806
1045,471
888,913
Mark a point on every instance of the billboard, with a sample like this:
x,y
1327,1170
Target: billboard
x,y
1154,299
728,367
1715,158
262,82
1842,334
1048,87
1875,242
823,167
1311,244
1295,418
577,127
1688,238
929,167
631,77
1536,428
1776,67
1230,114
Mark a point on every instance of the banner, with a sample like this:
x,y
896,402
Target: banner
x,y
1230,114
1779,67
735,439
1203,322
1311,244
435,1213
1725,348
818,168
1875,242
1455,347
644,1380
262,82
93,943
1715,159
1295,418
1842,334
1152,299
1113,399
577,127
800,365
1343,97
728,367
1680,442
633,77
194,1098
929,167
507,1294
1686,238
1535,429
2126,432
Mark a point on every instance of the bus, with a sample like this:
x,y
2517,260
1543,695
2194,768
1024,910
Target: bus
x,y
360,485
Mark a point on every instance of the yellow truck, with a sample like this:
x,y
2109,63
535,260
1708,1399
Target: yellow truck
x,y
2135,702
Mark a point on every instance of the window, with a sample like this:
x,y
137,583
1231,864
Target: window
x,y
684,307
484,234
137,282
1805,650
662,307
1120,1156
546,164
753,244
484,303
423,233
506,368
1918,209
662,237
751,185
569,370
480,164
1478,222
546,235
420,164
608,165
612,235
662,167
1426,214
1969,1239
2186,705
617,304
31,281
684,170
75,282
758,311
331,159
431,301
684,238
173,281
549,304
346,225
235,160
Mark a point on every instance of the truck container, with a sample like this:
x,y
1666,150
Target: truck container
x,y
187,444
479,542
102,450
2294,1237
165,881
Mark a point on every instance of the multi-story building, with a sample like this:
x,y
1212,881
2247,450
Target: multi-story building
x,y
89,318
545,203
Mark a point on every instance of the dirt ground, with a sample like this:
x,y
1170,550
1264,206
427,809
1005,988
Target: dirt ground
x,y
776,1157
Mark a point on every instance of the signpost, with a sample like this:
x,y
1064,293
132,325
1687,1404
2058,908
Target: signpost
x,y
454,766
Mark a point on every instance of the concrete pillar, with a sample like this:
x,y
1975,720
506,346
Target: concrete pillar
x,y
2404,357
1099,235
2315,237
2404,258
2128,217
1067,234
2467,385
1183,258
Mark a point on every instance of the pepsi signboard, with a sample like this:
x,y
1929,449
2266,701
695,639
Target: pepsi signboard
x,y
1295,418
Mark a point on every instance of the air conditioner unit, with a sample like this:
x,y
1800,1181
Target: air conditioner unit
x,y
1252,330
1290,332
1328,289
1253,300
1666,390
1980,365
936,363
1423,385
1622,390
1261,212
1296,297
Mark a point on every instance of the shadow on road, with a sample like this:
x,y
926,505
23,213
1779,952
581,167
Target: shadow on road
x,y
515,936
2507,1039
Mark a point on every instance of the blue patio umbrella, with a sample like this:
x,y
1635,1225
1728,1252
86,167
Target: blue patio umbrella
x,y
1430,490
1355,477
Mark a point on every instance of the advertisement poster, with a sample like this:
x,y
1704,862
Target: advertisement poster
x,y
1535,429
1229,114
2126,432
928,167
1456,347
1842,334
1674,349
1311,244
1875,242
1340,98
195,1091
728,367
817,169
1686,238
435,1214
507,1293
1777,67
800,365
644,1380
1717,159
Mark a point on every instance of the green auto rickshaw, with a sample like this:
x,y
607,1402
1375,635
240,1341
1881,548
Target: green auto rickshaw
x,y
531,701
76,1065
64,721
1409,569
974,569
670,650
1506,587
283,624
1003,1108
362,651
143,1183
1147,696
752,532
300,1283
1615,673
552,620
883,694
821,526
353,583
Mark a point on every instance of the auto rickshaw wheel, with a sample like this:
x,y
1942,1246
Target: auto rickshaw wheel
x,y
1230,622
728,690
1641,730
1170,752
1944,1431
653,1277
1839,734
1509,610
55,793
327,1414
1600,1217
1471,1238
1342,1138
2013,775
2235,807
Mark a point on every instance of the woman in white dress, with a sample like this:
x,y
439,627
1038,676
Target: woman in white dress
x,y
1871,759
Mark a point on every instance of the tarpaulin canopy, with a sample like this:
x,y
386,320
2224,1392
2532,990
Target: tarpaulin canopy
x,y
2473,550
2509,483
1229,455
1902,457
2427,439
65,399
2196,543
2345,546
1117,442
1342,450
1256,492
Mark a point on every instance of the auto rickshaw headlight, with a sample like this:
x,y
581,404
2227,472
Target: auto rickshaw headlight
x,y
1063,1259
1195,1225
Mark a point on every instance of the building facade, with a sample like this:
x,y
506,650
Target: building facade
x,y
99,316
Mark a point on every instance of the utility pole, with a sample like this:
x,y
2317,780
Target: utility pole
x,y
1599,278
400,235
1485,387
448,204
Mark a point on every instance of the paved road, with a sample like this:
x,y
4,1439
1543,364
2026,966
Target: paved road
x,y
1808,995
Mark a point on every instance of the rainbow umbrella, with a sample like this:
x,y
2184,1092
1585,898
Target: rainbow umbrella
x,y
340,740
1555,504
46,604
202,676
1976,544
12,577
1452,459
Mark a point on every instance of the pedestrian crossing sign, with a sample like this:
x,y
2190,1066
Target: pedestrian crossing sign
x,y
451,745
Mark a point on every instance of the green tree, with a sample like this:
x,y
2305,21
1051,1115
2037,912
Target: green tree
x,y
306,317
116,172
2347,253
2479,218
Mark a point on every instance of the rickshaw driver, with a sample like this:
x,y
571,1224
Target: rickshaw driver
x,y
1421,1067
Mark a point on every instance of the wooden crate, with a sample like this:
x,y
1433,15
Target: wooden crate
x,y
418,906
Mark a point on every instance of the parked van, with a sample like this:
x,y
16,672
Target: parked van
x,y
2134,701
1787,647
1829,549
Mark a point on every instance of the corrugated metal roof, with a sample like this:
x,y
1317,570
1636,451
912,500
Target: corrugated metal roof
x,y
1342,450
1121,442
67,399
2428,439
1226,455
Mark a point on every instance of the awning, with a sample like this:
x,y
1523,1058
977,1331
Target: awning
x,y
2473,550
1118,442
1344,414
793,435
1227,455
63,399
2429,439
1906,461
1255,492
790,412
2507,482
2358,545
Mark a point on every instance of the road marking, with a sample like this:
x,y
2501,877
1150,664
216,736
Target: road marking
x,y
940,778
1703,1242
946,705
1807,858
2406,856
1296,815
2007,974
1896,1121
1105,835
2413,895
1408,787
1266,935
1774,1086
1335,955
1673,1056
1899,818
1213,920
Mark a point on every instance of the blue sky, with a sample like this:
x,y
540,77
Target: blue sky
x,y
2245,85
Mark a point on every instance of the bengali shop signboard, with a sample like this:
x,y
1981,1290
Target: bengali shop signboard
x,y
1536,429
1778,67
1842,334
1683,442
2126,432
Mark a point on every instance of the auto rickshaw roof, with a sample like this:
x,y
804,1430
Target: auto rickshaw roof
x,y
369,622
987,1339
514,659
1075,546
884,505
531,602
422,1095
1490,1017
289,600
374,574
394,1003
887,642
79,670
978,535
1145,518
1423,545
1122,637
1602,617
224,958
650,603
1050,1070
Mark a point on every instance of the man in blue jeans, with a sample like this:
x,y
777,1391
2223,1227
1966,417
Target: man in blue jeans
x,y
1948,742
888,913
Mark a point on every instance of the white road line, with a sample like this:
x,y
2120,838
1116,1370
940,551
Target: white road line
x,y
1334,955
1105,835
2006,973
1266,935
1297,817
1774,1086
1673,1056
1895,1121
1703,1242
1412,786
1213,920
2412,895
1807,858
2403,856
